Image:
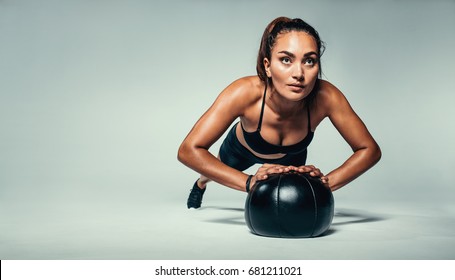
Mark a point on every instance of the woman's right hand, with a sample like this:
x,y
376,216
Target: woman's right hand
x,y
268,169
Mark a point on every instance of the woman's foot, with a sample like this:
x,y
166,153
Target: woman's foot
x,y
195,197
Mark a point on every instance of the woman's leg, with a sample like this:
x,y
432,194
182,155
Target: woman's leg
x,y
202,182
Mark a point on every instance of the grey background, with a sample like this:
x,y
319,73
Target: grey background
x,y
96,96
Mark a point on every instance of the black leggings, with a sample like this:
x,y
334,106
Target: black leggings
x,y
235,155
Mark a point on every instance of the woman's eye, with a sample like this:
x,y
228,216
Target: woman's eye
x,y
286,60
309,61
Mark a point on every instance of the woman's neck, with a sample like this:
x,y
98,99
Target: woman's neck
x,y
283,107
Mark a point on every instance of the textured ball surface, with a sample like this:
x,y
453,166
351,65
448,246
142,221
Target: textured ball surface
x,y
289,205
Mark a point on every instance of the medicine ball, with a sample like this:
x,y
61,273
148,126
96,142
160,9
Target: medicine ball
x,y
289,205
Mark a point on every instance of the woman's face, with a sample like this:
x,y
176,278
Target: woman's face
x,y
294,65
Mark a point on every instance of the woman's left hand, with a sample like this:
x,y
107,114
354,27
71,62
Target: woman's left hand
x,y
313,171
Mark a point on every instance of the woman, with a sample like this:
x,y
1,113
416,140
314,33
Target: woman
x,y
279,110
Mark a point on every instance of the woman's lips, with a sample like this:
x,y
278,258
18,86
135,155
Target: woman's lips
x,y
296,87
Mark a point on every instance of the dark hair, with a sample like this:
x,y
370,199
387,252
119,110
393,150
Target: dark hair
x,y
282,25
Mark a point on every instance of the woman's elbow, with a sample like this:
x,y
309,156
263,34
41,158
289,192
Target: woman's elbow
x,y
182,154
376,153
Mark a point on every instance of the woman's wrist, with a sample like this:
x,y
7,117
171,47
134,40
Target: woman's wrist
x,y
247,184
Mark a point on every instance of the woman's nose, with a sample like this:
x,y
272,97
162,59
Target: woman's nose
x,y
298,72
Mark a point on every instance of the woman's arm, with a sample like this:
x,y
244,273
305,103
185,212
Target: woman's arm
x,y
366,151
193,151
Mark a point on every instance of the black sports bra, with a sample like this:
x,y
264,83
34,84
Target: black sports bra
x,y
259,145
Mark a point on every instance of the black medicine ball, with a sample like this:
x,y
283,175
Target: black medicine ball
x,y
289,205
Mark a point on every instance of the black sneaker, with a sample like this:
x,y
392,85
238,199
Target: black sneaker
x,y
195,198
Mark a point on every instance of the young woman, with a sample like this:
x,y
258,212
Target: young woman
x,y
279,110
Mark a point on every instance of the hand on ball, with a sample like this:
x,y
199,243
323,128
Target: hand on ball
x,y
267,169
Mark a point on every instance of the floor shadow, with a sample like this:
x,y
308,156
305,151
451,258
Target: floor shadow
x,y
240,221
340,216
223,208
328,232
355,217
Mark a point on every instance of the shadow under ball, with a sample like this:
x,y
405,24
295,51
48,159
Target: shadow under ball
x,y
289,205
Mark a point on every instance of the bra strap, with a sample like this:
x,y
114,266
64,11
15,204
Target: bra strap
x,y
309,120
262,109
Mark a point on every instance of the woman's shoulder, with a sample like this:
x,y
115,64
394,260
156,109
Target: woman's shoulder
x,y
247,84
330,98
328,93
247,89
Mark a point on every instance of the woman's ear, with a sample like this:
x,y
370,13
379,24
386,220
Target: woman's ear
x,y
267,67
